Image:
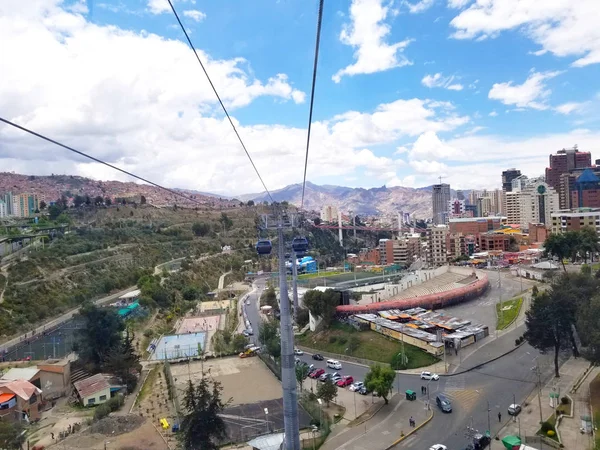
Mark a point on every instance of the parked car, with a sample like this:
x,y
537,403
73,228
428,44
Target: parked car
x,y
298,352
335,377
514,409
357,386
344,381
334,364
443,403
317,357
438,447
363,390
429,376
316,373
330,376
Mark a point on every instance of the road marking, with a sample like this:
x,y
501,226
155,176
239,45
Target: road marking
x,y
409,440
466,399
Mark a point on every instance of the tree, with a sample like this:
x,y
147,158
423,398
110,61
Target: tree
x,y
549,324
274,347
43,205
190,293
239,342
54,211
78,201
100,337
379,380
226,222
353,343
301,374
588,325
11,435
267,331
327,391
98,201
317,221
269,298
202,427
107,201
124,362
588,242
142,200
88,200
200,228
322,304
250,203
556,245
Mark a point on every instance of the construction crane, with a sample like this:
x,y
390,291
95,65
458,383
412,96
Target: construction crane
x,y
440,178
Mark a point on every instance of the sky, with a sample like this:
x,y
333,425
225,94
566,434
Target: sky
x,y
407,91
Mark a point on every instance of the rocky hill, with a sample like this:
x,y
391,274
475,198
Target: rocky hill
x,y
383,200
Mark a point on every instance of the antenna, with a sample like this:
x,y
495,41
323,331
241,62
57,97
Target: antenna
x,y
440,177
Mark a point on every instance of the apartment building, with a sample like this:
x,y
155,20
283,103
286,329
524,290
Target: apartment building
x,y
25,205
329,213
474,225
493,241
437,248
3,212
403,250
537,202
564,161
440,198
575,219
507,177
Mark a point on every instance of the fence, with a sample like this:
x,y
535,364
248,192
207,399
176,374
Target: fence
x,y
271,364
172,389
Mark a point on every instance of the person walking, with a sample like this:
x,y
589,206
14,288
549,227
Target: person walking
x,y
499,416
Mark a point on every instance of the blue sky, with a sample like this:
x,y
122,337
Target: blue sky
x,y
406,91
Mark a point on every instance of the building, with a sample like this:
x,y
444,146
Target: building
x,y
3,210
537,202
473,196
329,214
519,183
440,198
437,248
575,219
497,197
456,207
31,374
8,201
19,401
456,245
493,241
25,205
475,225
507,177
563,162
484,206
512,204
538,232
586,192
460,195
369,255
55,377
399,251
94,390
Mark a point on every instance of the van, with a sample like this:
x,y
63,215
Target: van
x,y
333,364
443,403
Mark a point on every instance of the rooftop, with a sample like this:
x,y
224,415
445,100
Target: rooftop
x,y
22,388
20,373
91,385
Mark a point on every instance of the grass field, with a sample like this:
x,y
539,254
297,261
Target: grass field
x,y
372,345
507,316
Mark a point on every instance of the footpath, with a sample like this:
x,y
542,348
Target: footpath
x,y
527,423
388,426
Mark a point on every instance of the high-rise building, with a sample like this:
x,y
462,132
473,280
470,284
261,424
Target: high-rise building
x,y
498,205
440,198
329,213
25,205
8,200
400,251
456,207
3,209
473,196
587,191
537,202
519,183
484,206
507,177
437,248
460,195
564,161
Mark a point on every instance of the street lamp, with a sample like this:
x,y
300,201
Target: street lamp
x,y
267,418
320,413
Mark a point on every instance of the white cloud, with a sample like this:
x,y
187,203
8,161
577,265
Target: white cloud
x,y
420,6
457,4
429,146
438,80
562,27
493,114
531,94
158,6
367,33
140,101
568,108
429,167
194,14
407,181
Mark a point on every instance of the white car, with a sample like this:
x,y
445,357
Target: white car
x,y
333,364
438,447
430,376
514,409
356,386
298,352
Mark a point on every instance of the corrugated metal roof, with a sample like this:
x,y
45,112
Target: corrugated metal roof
x,y
91,385
22,388
21,373
268,442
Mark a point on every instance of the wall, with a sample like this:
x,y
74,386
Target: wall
x,y
313,321
53,385
97,396
437,351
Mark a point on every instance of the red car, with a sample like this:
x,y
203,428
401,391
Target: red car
x,y
316,373
345,381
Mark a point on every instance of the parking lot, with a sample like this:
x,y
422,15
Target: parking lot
x,y
245,380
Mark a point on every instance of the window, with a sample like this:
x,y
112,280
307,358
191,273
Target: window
x,y
102,397
32,399
91,401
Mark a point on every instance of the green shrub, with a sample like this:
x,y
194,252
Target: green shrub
x,y
564,400
332,339
102,411
546,427
342,340
148,333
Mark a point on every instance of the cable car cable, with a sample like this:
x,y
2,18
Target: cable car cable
x,y
85,155
219,98
312,95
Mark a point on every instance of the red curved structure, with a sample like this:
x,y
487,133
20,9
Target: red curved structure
x,y
431,301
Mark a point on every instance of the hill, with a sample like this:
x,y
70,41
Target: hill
x,y
383,200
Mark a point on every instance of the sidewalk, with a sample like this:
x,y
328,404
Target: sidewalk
x,y
383,429
527,423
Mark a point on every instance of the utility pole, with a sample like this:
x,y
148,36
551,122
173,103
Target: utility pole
x,y
489,424
295,285
539,386
288,376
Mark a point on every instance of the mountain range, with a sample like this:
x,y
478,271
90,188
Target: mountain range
x,y
374,201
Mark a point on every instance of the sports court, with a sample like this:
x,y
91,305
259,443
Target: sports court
x,y
179,346
198,325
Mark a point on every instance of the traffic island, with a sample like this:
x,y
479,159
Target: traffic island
x,y
414,427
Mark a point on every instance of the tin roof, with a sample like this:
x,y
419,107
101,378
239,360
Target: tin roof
x,y
91,385
21,373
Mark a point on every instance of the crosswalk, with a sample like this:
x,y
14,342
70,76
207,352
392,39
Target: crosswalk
x,y
465,399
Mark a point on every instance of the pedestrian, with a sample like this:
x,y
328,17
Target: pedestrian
x,y
499,416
